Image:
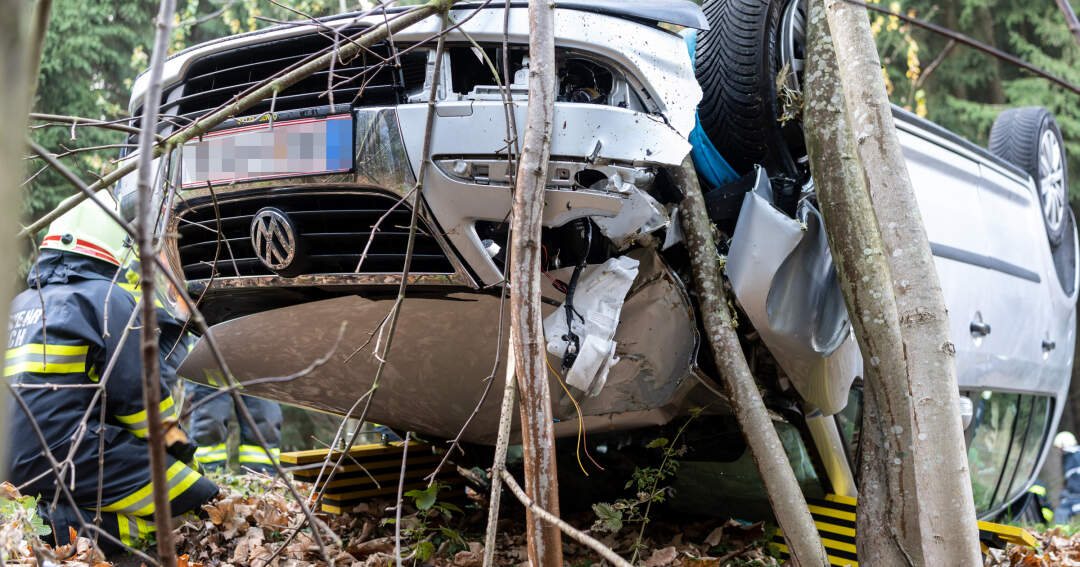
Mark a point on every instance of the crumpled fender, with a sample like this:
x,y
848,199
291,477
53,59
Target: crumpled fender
x,y
782,273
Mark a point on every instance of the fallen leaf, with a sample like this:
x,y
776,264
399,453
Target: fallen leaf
x,y
662,557
8,490
366,548
468,559
715,537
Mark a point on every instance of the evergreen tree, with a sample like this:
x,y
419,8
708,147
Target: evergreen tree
x,y
968,89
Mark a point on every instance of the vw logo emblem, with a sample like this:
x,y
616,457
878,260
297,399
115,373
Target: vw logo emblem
x,y
274,238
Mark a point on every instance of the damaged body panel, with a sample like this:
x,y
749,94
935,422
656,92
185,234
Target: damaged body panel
x,y
782,274
625,106
657,344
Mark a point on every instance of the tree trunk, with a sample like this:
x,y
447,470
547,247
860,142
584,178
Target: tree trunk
x,y
785,496
526,320
887,505
937,453
952,21
144,226
984,25
14,64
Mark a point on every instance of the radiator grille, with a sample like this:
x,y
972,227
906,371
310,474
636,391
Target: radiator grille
x,y
217,78
333,226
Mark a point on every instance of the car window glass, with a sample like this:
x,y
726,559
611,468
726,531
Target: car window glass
x,y
1016,445
993,421
1036,435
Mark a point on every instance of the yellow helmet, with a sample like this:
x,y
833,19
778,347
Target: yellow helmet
x,y
90,231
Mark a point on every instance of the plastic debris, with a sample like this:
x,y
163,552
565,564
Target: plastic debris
x,y
641,214
597,303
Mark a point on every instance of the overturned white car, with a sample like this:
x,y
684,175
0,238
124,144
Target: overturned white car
x,y
276,216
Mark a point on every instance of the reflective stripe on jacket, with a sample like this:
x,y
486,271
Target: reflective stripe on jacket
x,y
63,331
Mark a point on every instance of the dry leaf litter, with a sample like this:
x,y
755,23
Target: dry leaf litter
x,y
254,517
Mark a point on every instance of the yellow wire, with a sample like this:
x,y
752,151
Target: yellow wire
x,y
580,420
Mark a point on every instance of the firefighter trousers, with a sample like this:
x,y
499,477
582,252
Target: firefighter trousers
x,y
127,496
210,428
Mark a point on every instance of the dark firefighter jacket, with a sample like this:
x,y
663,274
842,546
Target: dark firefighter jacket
x,y
63,330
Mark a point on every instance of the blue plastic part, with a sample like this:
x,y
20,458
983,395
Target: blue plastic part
x,y
711,167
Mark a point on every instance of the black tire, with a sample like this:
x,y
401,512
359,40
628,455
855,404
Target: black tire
x,y
736,65
1026,137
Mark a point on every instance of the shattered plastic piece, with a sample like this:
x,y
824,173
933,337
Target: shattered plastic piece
x,y
640,214
674,233
491,247
598,302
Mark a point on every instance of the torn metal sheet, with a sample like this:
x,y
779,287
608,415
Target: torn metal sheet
x,y
782,274
596,308
640,214
657,343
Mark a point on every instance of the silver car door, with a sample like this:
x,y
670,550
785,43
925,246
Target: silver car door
x,y
946,187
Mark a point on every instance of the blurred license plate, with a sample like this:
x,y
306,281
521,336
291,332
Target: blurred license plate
x,y
290,148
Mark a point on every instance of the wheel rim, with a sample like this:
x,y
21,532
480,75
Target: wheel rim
x,y
1051,181
793,40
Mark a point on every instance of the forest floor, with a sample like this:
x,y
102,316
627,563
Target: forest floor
x,y
254,521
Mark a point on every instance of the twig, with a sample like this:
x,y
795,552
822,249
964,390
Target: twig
x,y
409,247
572,532
72,151
506,418
203,19
80,121
929,70
511,155
151,378
400,491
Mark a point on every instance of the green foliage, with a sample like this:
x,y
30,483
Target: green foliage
x,y
970,88
609,518
86,70
24,511
647,489
428,528
424,499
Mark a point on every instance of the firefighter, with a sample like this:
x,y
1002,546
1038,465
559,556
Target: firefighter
x,y
64,330
1069,504
210,427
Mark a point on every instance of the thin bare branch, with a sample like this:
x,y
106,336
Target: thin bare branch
x,y
151,378
571,531
80,121
970,42
400,491
502,443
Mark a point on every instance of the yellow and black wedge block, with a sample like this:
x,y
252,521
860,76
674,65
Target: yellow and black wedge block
x,y
367,472
835,520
